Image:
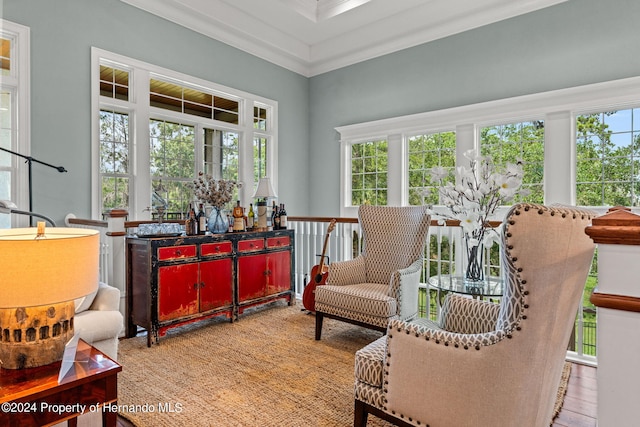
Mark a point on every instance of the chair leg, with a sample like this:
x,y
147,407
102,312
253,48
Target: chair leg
x,y
319,318
360,414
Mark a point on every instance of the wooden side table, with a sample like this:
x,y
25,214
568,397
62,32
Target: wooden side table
x,y
33,397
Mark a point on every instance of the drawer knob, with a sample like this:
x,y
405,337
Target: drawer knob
x,y
178,252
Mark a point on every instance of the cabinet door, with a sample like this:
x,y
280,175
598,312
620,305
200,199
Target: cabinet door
x,y
216,284
278,272
177,291
251,277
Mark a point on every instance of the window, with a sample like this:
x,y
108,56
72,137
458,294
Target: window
x,y
192,101
518,142
114,83
6,45
114,159
159,128
608,158
573,151
426,152
221,154
369,173
260,158
14,119
260,118
172,160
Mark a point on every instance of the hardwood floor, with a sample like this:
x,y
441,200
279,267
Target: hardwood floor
x,y
580,402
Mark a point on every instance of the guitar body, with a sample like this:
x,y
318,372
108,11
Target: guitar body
x,y
319,275
309,294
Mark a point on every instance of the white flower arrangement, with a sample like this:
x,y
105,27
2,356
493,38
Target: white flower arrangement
x,y
479,190
216,193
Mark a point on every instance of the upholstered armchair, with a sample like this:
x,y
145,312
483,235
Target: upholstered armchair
x,y
487,364
382,282
98,320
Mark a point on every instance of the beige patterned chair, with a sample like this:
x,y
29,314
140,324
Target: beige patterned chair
x,y
486,364
382,282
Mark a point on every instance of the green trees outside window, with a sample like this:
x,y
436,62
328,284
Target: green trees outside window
x,y
369,173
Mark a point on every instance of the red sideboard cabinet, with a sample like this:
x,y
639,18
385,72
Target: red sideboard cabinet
x,y
172,281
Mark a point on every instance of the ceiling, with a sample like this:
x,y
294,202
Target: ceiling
x,y
311,37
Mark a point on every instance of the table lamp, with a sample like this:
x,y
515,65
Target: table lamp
x,y
41,273
265,190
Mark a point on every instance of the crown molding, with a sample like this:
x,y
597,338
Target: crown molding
x,y
430,21
585,99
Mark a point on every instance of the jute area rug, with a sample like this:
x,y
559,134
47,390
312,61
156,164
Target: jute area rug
x,y
265,369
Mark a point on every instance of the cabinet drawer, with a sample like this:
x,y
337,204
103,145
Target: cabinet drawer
x,y
278,242
250,245
177,252
218,248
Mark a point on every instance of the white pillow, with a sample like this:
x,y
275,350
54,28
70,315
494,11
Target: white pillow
x,y
83,303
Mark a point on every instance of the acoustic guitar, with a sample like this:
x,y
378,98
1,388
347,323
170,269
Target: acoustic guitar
x,y
319,275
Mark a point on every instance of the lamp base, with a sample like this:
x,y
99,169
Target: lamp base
x,y
35,336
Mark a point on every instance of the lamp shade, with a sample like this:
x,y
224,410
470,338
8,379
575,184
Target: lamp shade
x,y
37,270
265,189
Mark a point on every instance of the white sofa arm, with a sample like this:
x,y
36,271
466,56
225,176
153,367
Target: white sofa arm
x,y
107,298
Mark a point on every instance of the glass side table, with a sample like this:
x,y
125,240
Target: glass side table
x,y
490,287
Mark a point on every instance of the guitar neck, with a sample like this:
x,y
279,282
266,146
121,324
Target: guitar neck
x,y
326,242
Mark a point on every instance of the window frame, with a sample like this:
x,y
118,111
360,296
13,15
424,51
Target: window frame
x,y
18,83
140,112
557,108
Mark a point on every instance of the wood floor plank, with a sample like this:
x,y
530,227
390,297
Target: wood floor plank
x,y
580,408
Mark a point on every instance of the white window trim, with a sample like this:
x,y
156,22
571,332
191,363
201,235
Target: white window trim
x,y
140,111
19,82
557,108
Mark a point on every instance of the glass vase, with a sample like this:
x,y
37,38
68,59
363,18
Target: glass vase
x,y
473,260
218,222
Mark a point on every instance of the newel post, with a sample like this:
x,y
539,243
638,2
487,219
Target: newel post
x,y
617,298
116,233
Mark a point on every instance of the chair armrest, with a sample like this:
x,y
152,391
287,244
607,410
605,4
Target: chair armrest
x,y
107,298
467,315
467,368
404,288
347,272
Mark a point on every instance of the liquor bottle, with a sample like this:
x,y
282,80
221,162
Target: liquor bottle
x,y
238,217
273,215
195,227
189,222
251,217
283,217
276,219
230,222
202,220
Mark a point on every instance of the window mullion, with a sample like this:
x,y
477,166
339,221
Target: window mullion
x,y
559,158
140,198
395,175
245,153
467,137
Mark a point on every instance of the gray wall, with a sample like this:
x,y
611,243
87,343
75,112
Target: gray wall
x,y
62,33
571,44
574,43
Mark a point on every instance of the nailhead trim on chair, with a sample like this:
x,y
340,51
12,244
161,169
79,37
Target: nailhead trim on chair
x,y
511,317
